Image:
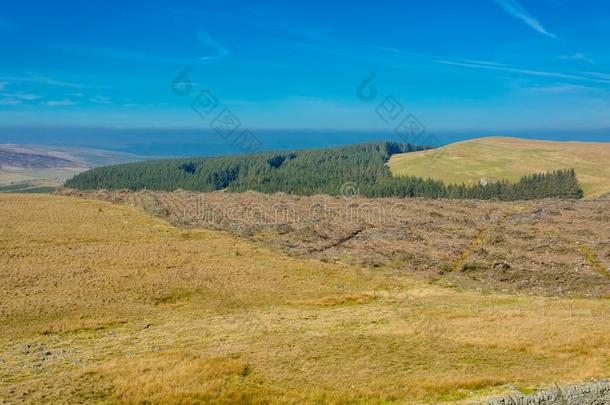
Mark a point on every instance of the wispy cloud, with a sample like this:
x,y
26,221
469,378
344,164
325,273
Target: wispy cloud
x,y
101,100
3,85
121,54
267,20
218,52
58,103
510,69
17,98
437,59
22,96
46,81
514,8
564,88
578,57
336,53
207,40
598,75
10,101
590,77
583,77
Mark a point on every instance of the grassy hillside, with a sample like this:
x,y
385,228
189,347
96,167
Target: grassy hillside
x,y
509,158
105,304
33,186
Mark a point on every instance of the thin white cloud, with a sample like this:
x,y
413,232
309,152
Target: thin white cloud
x,y
564,88
101,100
46,81
598,75
219,52
26,96
207,40
58,103
433,58
3,85
121,54
589,77
584,77
509,69
336,53
514,8
578,57
10,101
17,98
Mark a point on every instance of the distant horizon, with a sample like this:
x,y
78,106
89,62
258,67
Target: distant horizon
x,y
178,142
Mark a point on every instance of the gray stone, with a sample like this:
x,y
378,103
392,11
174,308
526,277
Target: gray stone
x,y
594,393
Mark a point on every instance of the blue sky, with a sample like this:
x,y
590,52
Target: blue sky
x,y
496,65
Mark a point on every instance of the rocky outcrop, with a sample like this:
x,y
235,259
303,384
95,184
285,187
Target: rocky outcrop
x,y
594,393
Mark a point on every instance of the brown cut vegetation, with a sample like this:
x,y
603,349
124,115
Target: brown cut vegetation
x,y
533,247
104,303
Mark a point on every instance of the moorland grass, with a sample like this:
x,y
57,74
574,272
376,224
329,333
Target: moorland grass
x,y
106,304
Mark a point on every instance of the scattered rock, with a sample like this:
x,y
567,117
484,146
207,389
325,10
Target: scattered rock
x,y
503,265
284,229
470,266
594,393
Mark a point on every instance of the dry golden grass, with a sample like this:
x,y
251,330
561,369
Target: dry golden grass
x,y
105,304
165,377
510,159
338,300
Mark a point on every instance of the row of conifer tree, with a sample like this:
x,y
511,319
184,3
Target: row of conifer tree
x,y
317,171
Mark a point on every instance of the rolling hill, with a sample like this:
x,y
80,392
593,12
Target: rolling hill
x,y
110,305
28,168
509,158
349,170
